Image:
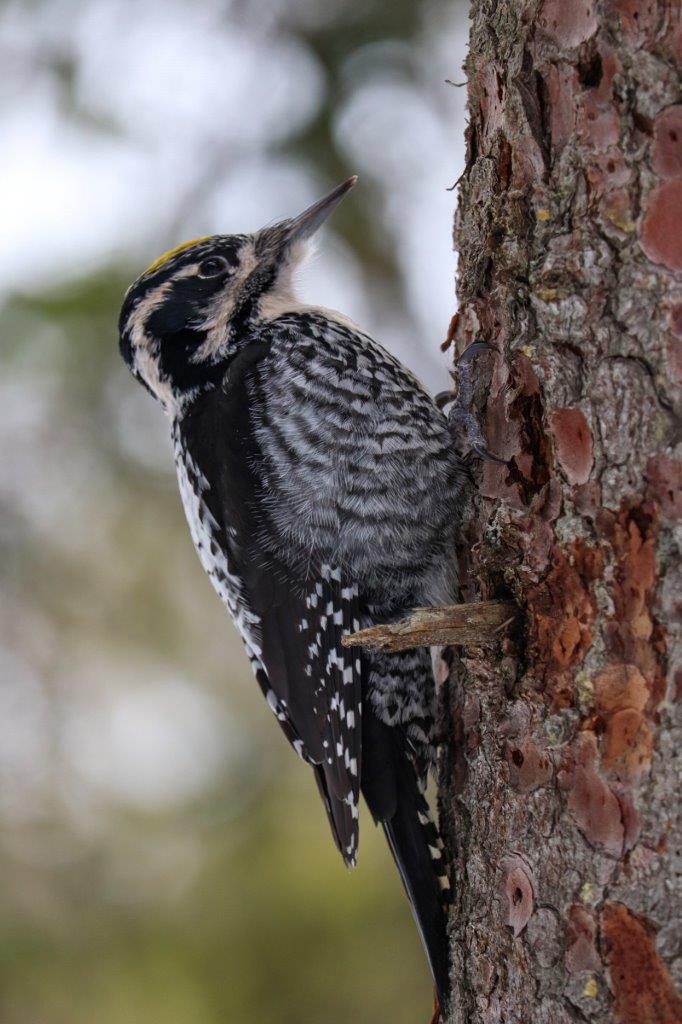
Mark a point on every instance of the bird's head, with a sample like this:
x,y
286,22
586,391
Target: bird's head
x,y
181,320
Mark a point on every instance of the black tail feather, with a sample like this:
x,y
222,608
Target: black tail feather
x,y
391,789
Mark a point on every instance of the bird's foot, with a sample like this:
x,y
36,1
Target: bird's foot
x,y
463,422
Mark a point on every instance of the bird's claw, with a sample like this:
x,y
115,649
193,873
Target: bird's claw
x,y
461,419
462,376
487,456
472,350
444,398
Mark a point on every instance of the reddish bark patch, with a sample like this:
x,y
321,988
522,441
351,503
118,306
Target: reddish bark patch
x,y
671,42
597,115
643,990
632,824
627,745
581,950
561,610
667,153
592,804
588,561
490,97
562,84
517,890
569,24
621,693
664,476
620,686
515,431
573,444
660,235
632,635
598,124
635,574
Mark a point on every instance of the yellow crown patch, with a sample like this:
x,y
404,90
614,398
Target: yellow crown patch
x,y
165,256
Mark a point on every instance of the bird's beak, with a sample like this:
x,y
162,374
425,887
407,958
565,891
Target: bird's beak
x,y
307,223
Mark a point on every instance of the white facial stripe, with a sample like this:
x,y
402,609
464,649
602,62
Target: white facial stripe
x,y
145,354
145,349
281,297
217,321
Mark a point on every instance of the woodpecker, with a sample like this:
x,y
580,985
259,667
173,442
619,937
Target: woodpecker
x,y
322,491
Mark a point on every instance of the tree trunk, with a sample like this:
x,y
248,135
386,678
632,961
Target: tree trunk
x,y
559,788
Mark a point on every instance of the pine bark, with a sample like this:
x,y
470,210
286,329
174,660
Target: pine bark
x,y
559,786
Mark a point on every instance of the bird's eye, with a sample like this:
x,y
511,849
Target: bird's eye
x,y
212,266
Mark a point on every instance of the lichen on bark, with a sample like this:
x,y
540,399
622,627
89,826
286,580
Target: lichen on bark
x,y
559,785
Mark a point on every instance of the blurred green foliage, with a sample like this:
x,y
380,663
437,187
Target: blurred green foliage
x,y
226,901
273,929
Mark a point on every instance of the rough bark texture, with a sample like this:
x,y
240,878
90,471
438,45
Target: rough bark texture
x,y
560,788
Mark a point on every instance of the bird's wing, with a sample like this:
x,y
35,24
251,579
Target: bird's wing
x,y
292,626
317,681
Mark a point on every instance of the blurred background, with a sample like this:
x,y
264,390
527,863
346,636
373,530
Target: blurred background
x,y
164,856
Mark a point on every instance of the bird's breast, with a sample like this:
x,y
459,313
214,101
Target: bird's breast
x,y
356,461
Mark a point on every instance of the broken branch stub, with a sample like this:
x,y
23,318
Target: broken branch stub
x,y
476,624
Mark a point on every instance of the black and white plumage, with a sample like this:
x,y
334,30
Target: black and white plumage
x,y
321,489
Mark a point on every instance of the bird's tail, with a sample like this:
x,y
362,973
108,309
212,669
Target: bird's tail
x,y
391,789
